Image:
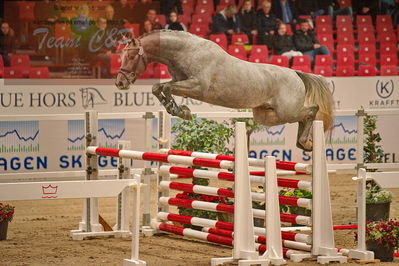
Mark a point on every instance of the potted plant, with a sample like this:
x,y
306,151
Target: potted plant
x,y
299,193
6,216
377,200
382,237
206,136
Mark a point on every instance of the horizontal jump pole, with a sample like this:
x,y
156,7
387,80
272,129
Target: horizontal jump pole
x,y
157,157
219,207
345,227
259,239
228,241
282,165
183,172
228,227
63,189
214,191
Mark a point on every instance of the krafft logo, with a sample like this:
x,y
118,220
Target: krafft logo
x,y
384,90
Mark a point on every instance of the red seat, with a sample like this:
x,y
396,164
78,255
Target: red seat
x,y
220,39
39,73
1,67
188,9
161,72
62,30
362,29
385,29
366,70
205,3
323,60
363,20
344,49
346,38
26,10
280,60
257,59
345,3
116,62
301,61
388,48
324,29
148,73
326,40
12,73
133,28
227,2
161,19
389,70
199,29
388,60
201,19
345,71
346,60
238,51
185,19
384,20
345,29
22,62
259,50
366,38
343,21
367,59
323,70
323,20
387,38
305,69
367,48
203,9
239,39
188,2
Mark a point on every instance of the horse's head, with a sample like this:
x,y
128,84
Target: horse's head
x,y
134,62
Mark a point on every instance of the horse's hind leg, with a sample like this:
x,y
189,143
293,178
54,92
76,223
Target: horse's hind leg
x,y
186,88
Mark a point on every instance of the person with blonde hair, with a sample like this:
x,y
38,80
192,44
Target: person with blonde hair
x,y
247,18
226,21
266,24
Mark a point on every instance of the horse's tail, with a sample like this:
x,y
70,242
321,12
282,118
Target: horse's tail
x,y
318,92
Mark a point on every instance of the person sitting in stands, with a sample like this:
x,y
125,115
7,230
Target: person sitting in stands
x,y
174,23
226,21
152,16
247,18
266,24
168,6
286,11
309,7
7,42
332,8
283,44
123,11
147,26
141,8
366,7
306,41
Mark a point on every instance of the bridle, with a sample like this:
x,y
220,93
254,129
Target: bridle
x,y
132,75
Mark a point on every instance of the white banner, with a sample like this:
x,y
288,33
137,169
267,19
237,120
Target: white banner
x,y
35,145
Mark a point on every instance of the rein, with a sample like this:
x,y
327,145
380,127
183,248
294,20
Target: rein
x,y
131,75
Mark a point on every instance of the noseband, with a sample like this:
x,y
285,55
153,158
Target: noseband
x,y
132,75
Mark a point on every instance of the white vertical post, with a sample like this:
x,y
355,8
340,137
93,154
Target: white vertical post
x,y
147,173
123,206
274,252
361,253
360,137
164,138
134,260
323,244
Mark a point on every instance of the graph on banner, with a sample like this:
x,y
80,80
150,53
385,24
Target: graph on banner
x,y
344,130
269,136
19,136
109,132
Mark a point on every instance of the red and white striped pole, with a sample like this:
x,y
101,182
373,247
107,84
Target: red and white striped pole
x,y
219,207
290,166
183,172
214,191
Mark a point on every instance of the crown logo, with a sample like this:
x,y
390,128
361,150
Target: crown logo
x,y
49,192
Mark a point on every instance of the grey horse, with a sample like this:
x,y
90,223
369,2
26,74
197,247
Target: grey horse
x,y
202,70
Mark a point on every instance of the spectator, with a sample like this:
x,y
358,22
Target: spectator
x,y
168,6
226,21
283,44
141,8
247,18
100,51
309,8
285,10
365,7
112,22
152,16
174,23
122,11
147,26
266,24
332,8
307,43
7,42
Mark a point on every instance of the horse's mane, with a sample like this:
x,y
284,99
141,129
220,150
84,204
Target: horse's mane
x,y
164,30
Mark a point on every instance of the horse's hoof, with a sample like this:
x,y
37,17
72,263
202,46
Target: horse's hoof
x,y
186,113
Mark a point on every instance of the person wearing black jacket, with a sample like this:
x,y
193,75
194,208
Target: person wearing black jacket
x,y
266,24
286,11
7,42
332,8
365,7
247,18
307,43
226,21
283,44
174,23
168,6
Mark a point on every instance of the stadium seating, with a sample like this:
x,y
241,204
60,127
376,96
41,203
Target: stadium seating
x,y
239,39
12,73
22,62
367,70
259,50
39,73
323,70
220,39
280,60
116,62
238,51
